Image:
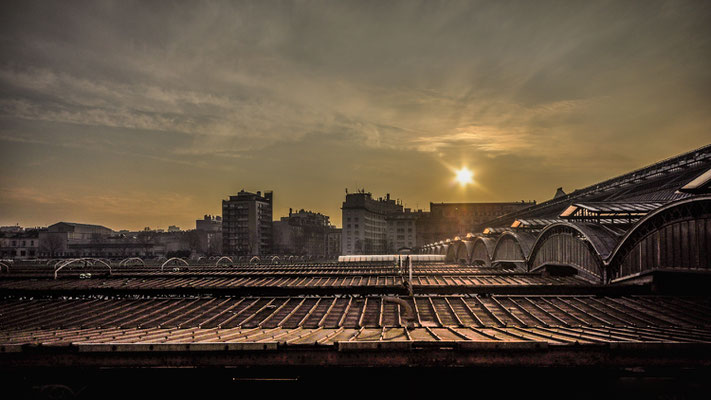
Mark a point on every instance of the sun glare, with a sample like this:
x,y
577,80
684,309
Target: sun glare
x,y
464,176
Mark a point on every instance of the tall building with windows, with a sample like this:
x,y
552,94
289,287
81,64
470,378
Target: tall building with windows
x,y
402,230
247,224
209,230
365,225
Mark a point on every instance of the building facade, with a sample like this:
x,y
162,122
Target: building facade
x,y
19,244
402,230
70,239
209,231
247,224
209,223
334,242
448,220
365,224
302,233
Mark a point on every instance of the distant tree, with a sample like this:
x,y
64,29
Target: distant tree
x,y
191,241
51,244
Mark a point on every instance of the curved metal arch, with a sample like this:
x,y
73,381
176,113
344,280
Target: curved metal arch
x,y
223,258
464,251
487,244
451,254
523,242
598,240
173,259
255,258
680,210
125,261
85,260
199,258
7,267
275,258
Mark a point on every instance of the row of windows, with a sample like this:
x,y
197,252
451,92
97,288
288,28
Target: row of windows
x,y
87,254
18,253
23,243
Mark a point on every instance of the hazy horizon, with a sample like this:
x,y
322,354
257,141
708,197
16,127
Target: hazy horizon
x,y
129,115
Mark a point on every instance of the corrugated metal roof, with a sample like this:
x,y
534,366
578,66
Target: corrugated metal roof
x,y
42,270
486,278
23,317
187,340
533,222
613,207
658,182
699,185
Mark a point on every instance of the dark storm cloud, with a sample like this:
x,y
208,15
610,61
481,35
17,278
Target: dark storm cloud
x,y
530,94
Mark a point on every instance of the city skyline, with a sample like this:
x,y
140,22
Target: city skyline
x,y
134,115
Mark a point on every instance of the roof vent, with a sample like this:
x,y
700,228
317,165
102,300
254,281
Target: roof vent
x,y
559,193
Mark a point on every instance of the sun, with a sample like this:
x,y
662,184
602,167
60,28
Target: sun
x,y
464,176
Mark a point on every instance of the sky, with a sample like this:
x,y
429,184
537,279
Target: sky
x,y
133,114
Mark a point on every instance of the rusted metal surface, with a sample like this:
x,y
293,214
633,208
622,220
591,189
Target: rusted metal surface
x,y
675,237
32,270
217,339
513,247
333,282
356,312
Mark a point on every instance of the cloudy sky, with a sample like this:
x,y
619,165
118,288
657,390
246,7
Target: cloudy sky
x,y
148,114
